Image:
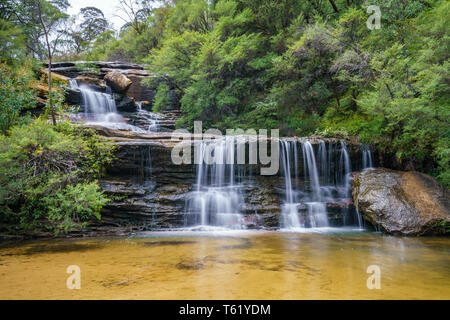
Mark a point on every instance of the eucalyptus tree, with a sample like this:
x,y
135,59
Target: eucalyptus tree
x,y
134,13
41,22
92,24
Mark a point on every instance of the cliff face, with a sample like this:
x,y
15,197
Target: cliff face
x,y
94,72
151,192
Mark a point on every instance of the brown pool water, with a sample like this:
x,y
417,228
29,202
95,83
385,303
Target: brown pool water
x,y
228,265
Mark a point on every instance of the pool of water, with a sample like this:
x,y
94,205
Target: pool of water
x,y
324,264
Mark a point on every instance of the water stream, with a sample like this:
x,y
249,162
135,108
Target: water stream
x,y
217,197
317,183
325,182
100,108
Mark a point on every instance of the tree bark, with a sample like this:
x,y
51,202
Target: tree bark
x,y
333,5
50,103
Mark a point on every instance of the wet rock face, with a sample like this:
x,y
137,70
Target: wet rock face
x,y
95,83
124,103
73,96
402,203
94,73
151,192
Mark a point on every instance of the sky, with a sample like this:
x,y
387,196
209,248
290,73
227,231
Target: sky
x,y
108,7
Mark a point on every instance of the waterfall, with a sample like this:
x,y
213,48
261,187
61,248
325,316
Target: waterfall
x,y
325,188
344,171
366,157
100,108
150,119
289,214
217,198
317,211
311,198
73,84
345,188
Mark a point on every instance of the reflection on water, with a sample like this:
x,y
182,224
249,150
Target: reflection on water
x,y
228,265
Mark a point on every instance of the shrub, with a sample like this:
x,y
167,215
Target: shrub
x,y
15,94
48,176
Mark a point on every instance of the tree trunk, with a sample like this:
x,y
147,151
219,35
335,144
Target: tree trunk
x,y
333,5
50,103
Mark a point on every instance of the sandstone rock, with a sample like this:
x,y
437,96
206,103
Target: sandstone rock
x,y
117,81
402,203
72,96
124,103
56,77
42,89
40,103
95,83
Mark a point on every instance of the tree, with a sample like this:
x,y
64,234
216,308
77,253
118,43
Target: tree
x,y
135,13
26,16
82,35
49,17
94,23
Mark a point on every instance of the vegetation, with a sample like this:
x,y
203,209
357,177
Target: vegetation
x,y
16,94
306,67
311,66
302,66
47,175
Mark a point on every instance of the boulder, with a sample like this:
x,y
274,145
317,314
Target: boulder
x,y
72,96
94,83
124,103
402,203
117,81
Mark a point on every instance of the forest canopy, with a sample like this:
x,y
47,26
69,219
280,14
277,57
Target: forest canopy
x,y
305,67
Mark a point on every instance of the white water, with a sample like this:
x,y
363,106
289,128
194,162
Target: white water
x,y
100,108
151,118
366,157
311,198
325,181
217,199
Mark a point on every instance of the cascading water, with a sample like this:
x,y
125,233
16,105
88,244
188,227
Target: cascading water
x,y
150,119
217,199
100,108
367,162
311,197
366,157
326,182
289,216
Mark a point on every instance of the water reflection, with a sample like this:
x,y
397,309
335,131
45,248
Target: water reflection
x,y
229,265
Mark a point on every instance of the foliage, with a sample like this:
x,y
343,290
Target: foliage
x,y
24,14
314,66
16,94
12,43
302,66
48,173
162,98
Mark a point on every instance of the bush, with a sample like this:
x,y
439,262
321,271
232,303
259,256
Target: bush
x,y
15,94
162,98
48,176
